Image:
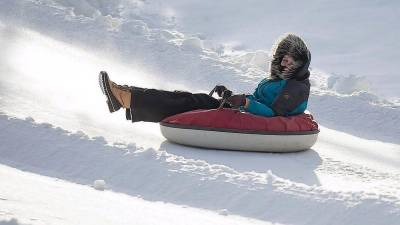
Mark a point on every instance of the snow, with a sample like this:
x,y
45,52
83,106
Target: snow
x,y
337,177
58,137
192,44
54,201
345,37
348,84
99,185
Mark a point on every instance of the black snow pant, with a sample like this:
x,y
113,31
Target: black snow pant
x,y
152,105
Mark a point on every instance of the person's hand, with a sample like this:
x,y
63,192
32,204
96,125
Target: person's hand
x,y
219,89
236,101
226,94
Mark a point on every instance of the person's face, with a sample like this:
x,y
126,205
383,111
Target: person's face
x,y
287,63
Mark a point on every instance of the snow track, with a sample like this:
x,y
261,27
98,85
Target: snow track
x,y
256,185
54,120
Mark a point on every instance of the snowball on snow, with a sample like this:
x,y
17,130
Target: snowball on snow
x,y
99,185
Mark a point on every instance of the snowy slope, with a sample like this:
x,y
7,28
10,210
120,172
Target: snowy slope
x,y
168,59
53,201
54,121
343,180
345,36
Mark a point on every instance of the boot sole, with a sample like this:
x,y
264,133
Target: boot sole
x,y
112,102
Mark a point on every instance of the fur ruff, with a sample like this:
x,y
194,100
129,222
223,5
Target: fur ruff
x,y
294,46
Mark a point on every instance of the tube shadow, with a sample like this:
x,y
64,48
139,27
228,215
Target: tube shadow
x,y
297,167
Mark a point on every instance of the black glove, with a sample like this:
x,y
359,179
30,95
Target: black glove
x,y
236,101
226,94
219,89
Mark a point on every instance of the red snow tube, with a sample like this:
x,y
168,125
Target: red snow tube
x,y
235,130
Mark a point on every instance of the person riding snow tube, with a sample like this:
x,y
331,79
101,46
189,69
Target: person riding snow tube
x,y
284,93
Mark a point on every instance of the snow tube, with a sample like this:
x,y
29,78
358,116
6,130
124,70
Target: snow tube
x,y
234,130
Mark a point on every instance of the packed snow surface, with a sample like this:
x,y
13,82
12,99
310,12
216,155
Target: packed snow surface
x,y
34,199
54,124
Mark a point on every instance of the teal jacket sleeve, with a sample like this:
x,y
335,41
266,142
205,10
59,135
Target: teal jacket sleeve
x,y
258,108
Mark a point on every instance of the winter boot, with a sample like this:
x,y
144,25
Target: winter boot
x,y
122,93
117,96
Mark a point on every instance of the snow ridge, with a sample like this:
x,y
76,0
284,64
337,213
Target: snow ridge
x,y
161,175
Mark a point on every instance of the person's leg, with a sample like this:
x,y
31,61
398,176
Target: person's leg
x,y
154,105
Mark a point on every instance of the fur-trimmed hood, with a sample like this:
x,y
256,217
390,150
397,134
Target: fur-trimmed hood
x,y
294,46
